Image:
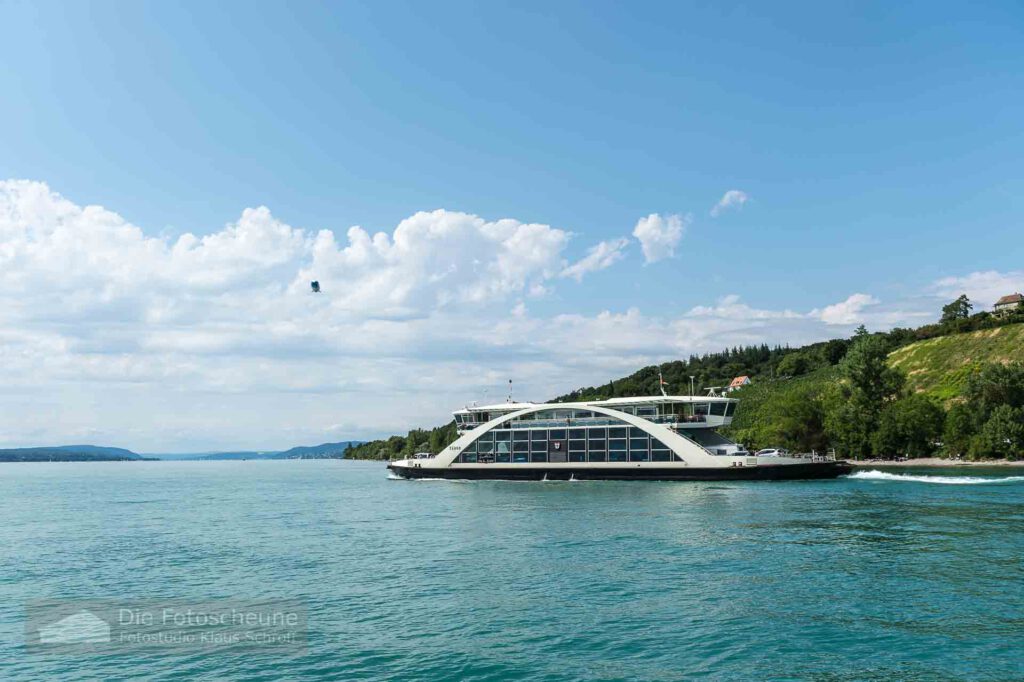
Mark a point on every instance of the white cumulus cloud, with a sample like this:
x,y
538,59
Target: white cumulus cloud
x,y
660,235
734,198
110,335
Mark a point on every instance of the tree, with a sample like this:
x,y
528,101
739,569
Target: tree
x,y
960,309
835,350
848,427
1002,435
866,385
800,422
961,426
793,365
869,377
910,426
993,385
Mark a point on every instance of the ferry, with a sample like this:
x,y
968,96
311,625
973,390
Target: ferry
x,y
657,437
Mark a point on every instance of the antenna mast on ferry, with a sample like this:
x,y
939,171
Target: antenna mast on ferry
x,y
509,390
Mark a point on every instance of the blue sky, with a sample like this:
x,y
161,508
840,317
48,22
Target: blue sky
x,y
878,146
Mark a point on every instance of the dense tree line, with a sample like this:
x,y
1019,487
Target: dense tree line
x,y
716,369
396,447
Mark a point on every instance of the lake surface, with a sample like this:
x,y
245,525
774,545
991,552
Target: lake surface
x,y
874,577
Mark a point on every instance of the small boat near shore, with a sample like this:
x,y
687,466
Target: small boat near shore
x,y
657,437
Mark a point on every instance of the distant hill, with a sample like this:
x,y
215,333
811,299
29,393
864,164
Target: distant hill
x,y
101,450
228,455
68,453
322,451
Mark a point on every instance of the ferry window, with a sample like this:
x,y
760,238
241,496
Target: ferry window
x,y
502,435
521,435
596,434
539,456
619,432
729,410
484,447
577,433
520,457
470,448
661,456
583,414
520,446
486,438
617,456
538,445
646,411
638,444
718,409
627,410
469,458
578,445
597,456
503,446
563,414
577,456
639,455
617,444
700,408
539,434
502,457
636,432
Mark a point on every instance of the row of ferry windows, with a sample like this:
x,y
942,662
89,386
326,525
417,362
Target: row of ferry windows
x,y
615,444
717,409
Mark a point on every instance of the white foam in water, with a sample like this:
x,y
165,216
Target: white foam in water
x,y
874,475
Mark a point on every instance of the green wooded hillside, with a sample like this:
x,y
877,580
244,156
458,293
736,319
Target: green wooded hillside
x,y
940,367
961,393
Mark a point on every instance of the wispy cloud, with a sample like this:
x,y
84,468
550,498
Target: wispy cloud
x,y
734,198
599,257
846,312
983,288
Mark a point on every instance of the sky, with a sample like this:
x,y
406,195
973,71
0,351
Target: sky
x,y
553,193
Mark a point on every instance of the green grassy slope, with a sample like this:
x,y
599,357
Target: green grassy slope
x,y
940,366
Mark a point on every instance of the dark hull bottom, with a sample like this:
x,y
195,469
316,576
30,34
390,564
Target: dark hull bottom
x,y
784,472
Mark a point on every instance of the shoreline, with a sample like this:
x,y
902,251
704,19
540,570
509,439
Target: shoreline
x,y
934,462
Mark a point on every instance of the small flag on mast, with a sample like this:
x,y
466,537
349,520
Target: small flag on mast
x,y
662,384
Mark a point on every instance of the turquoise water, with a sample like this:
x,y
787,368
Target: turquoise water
x,y
866,578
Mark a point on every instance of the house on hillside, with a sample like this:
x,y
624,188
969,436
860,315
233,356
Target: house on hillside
x,y
738,382
1008,303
